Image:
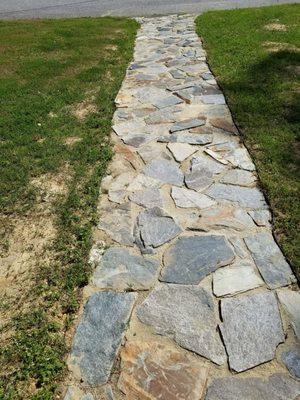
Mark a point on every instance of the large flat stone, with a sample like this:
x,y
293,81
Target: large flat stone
x,y
237,278
244,196
269,260
186,198
117,188
277,387
152,152
181,151
290,300
291,359
220,217
120,269
170,310
167,102
252,329
98,336
147,198
199,179
155,370
192,258
156,227
142,182
239,177
185,137
205,162
118,224
165,171
187,124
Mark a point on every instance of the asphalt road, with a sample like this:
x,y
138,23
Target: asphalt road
x,y
12,9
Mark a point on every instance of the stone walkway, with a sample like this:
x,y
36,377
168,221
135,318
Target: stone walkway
x,y
191,298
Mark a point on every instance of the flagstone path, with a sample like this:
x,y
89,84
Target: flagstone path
x,y
191,298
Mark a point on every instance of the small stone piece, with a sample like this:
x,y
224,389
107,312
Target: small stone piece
x,y
117,223
216,156
170,309
238,177
244,196
181,151
199,179
99,335
119,269
135,140
261,217
251,330
177,74
187,124
185,198
156,227
153,151
192,258
147,198
165,171
269,260
291,303
234,279
277,387
291,359
153,370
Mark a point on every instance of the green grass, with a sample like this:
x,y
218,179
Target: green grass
x,y
262,89
47,67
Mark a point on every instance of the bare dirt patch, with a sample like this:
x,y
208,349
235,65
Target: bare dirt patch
x,y
72,140
276,26
83,109
274,47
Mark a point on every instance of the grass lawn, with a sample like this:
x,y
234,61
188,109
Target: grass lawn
x,y
255,55
58,81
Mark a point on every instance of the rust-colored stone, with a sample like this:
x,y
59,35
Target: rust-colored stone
x,y
155,370
128,155
224,124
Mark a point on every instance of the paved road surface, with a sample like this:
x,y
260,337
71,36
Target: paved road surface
x,y
11,9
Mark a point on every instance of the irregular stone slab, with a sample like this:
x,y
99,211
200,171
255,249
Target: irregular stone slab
x,y
216,156
290,301
135,140
224,217
162,116
240,158
244,196
277,387
170,310
251,330
167,102
213,99
237,278
165,171
153,370
224,124
239,246
177,74
181,151
156,227
129,127
99,335
118,224
291,359
199,179
205,162
269,260
187,124
142,182
152,152
238,177
147,198
185,198
120,269
117,188
261,217
184,137
191,258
